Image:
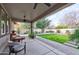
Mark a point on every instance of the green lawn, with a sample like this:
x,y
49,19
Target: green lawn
x,y
56,37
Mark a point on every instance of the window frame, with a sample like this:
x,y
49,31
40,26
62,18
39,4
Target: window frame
x,y
3,29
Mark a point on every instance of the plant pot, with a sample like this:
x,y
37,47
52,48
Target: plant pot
x,y
32,37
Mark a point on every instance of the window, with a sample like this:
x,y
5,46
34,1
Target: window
x,y
2,27
3,24
7,30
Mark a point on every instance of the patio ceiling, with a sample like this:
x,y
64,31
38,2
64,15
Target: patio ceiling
x,y
31,11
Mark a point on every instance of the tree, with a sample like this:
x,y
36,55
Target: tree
x,y
42,24
61,26
71,19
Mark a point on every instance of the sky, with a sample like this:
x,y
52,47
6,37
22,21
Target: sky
x,y
56,18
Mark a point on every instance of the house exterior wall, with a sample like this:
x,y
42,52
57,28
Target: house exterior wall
x,y
5,28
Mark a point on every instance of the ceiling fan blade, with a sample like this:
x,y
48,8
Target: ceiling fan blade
x,y
35,5
47,4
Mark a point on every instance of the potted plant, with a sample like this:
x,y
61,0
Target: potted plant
x,y
32,35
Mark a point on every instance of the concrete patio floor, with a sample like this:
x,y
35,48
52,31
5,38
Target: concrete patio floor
x,y
36,47
45,47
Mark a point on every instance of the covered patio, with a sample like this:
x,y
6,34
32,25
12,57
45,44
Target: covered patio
x,y
28,12
37,47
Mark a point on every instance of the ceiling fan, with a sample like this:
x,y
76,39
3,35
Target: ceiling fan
x,y
47,4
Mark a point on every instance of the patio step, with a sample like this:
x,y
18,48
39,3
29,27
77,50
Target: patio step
x,y
56,51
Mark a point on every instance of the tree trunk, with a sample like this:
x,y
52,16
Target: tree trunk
x,y
42,30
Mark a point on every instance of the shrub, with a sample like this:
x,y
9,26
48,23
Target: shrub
x,y
75,36
32,35
58,31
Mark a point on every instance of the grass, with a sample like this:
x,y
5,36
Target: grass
x,y
56,37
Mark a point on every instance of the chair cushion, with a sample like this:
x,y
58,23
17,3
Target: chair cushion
x,y
18,47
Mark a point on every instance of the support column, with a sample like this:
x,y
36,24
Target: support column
x,y
31,27
32,35
0,21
